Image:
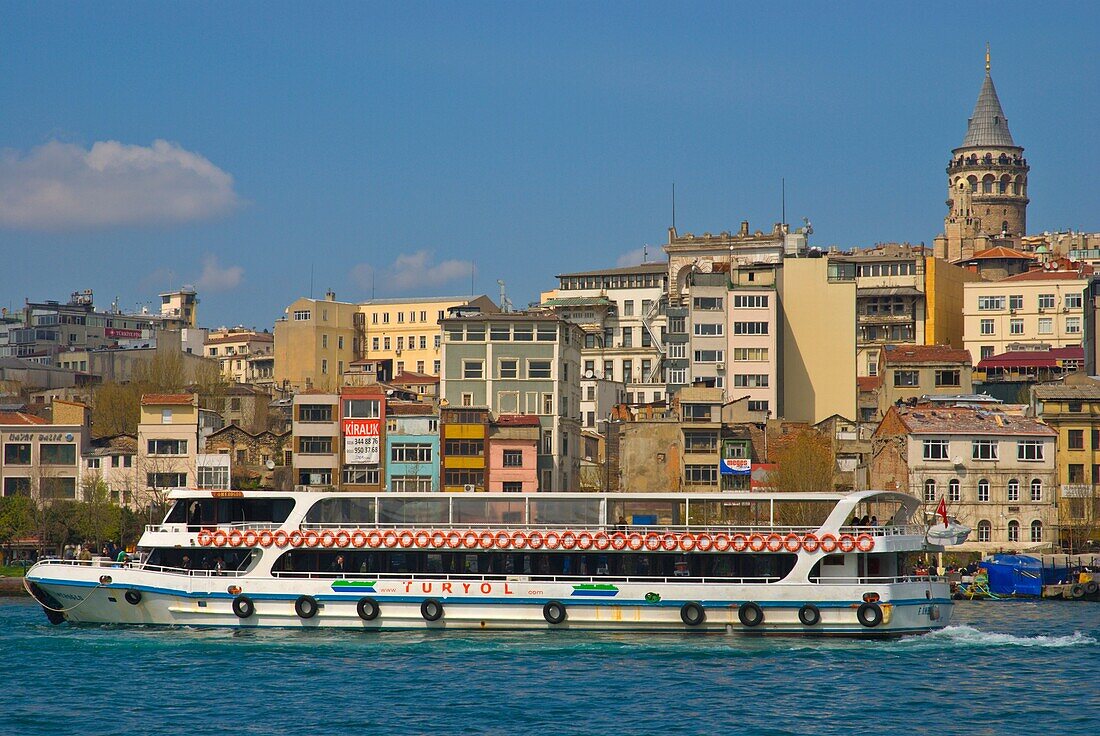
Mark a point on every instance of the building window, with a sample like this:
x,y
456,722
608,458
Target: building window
x,y
56,454
752,301
473,369
1046,326
411,484
315,413
17,453
1073,301
1015,326
361,475
324,366
523,333
1073,325
1013,490
538,369
906,378
1016,301
628,337
758,380
709,356
216,477
990,303
167,447
628,308
465,448
1036,489
547,441
750,328
708,329
509,368
165,416
700,442
984,531
986,327
1076,439
314,477
707,303
512,486
1046,301
750,354
948,377
983,491
362,408
701,475
1036,531
324,342
1014,531
17,486
954,495
929,491
984,450
411,453
301,315
513,458
1031,450
935,449
467,399
758,405
166,480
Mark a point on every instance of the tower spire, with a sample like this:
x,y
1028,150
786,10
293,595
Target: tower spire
x,y
987,57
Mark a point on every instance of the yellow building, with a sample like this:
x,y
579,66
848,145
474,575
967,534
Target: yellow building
x,y
182,305
316,340
817,370
943,293
1072,409
464,461
1043,306
167,444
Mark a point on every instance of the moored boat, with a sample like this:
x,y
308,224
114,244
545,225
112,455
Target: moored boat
x,y
770,563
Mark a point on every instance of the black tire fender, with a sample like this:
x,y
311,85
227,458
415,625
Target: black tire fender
x,y
750,614
869,614
133,597
367,608
1092,587
243,607
554,612
431,609
692,613
1077,591
809,615
306,606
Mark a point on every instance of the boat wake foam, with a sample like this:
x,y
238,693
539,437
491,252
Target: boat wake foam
x,y
969,636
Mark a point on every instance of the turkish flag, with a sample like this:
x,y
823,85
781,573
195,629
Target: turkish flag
x,y
942,511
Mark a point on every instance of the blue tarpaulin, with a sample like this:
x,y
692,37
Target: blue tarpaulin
x,y
1014,575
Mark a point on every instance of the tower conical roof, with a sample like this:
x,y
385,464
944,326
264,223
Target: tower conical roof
x,y
988,125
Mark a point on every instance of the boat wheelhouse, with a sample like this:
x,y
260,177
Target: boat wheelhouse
x,y
776,563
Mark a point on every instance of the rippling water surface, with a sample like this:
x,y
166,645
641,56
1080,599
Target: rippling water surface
x,y
1002,668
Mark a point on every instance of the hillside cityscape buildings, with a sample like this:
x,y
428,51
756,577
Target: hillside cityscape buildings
x,y
958,370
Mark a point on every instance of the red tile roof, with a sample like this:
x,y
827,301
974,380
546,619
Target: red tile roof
x,y
1042,275
172,399
19,417
895,354
999,251
413,410
868,383
241,337
933,419
414,378
517,420
1033,358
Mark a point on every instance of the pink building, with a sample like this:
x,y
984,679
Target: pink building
x,y
513,454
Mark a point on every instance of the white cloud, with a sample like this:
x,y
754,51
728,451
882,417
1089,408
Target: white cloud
x,y
415,271
632,257
62,186
216,277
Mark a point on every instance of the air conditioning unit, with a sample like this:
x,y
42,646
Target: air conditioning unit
x,y
721,366
957,460
398,351
1012,310
469,488
1041,310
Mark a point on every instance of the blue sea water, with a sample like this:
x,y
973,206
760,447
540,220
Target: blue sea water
x,y
1001,668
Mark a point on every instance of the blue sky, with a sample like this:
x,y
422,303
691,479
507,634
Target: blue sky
x,y
400,145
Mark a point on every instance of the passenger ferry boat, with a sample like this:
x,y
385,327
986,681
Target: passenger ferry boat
x,y
771,563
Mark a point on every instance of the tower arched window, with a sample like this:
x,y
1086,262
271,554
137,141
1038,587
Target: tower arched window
x,y
1002,185
1014,531
953,493
930,491
973,180
985,531
1036,531
987,184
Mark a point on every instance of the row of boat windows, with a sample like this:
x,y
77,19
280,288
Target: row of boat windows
x,y
641,564
213,511
202,558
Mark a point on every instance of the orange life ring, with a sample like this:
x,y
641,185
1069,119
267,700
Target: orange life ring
x,y
374,539
235,538
653,541
792,542
389,538
584,540
703,542
359,538
535,540
503,539
757,543
865,543
811,543
618,541
568,540
738,543
250,538
552,540
601,541
846,543
343,538
280,538
485,539
454,539
469,540
219,538
687,542
669,542
519,540
439,539
327,538
723,541
312,539
296,538
406,539
636,541
828,543
775,542
266,538
423,538
205,537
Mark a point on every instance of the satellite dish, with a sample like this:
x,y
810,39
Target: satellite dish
x,y
589,374
270,464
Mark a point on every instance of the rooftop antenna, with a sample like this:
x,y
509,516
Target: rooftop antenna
x,y
471,278
673,205
311,281
783,198
645,253
505,302
987,57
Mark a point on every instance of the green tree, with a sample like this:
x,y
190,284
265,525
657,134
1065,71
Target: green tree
x,y
17,518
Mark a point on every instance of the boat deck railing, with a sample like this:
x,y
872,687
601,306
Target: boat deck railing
x,y
102,563
879,580
532,578
874,531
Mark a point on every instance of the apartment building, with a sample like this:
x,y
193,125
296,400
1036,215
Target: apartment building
x,y
168,444
406,331
464,460
912,371
621,313
513,453
232,348
42,459
362,421
598,397
316,434
701,429
314,342
995,471
111,465
412,447
1043,306
521,363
